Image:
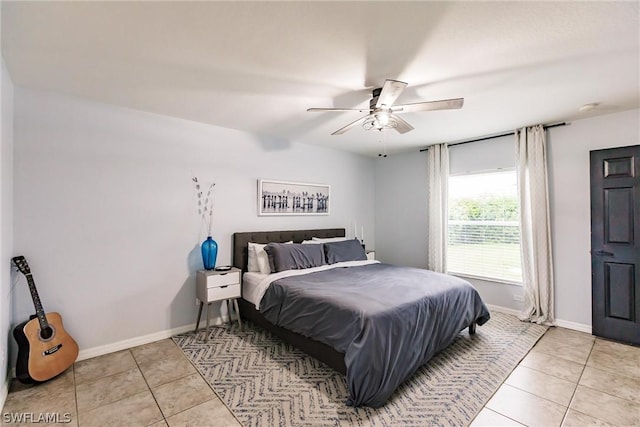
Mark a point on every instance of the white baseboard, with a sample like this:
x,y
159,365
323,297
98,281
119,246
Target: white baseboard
x,y
88,353
559,322
505,310
573,325
4,389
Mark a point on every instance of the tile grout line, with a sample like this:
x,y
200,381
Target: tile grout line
x,y
75,392
554,339
504,382
555,376
149,389
177,379
584,365
577,384
502,415
122,398
137,367
544,398
592,350
75,384
203,378
116,401
104,377
541,397
605,392
185,409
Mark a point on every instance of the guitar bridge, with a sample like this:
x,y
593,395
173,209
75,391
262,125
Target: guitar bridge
x,y
52,350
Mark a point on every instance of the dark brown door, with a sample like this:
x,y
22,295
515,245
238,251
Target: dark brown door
x,y
615,243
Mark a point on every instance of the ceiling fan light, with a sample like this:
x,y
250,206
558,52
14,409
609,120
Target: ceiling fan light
x,y
383,118
381,112
380,121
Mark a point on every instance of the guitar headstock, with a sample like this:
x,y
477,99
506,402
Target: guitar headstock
x,y
21,263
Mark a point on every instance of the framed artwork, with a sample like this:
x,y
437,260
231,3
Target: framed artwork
x,y
292,198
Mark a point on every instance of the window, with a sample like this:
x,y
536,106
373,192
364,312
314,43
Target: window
x,y
484,227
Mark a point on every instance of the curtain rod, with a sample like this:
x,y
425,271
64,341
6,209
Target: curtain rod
x,y
484,138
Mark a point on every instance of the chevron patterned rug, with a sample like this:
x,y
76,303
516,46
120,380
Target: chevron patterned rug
x,y
266,382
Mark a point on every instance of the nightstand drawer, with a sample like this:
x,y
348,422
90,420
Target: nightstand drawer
x,y
223,279
224,292
218,285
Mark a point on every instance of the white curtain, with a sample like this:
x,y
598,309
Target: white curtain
x,y
437,176
537,266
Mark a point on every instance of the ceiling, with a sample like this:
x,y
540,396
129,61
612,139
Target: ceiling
x,y
257,66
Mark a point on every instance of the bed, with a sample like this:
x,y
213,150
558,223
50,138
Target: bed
x,y
375,323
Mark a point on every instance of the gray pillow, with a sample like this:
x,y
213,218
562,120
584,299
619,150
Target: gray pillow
x,y
349,250
294,256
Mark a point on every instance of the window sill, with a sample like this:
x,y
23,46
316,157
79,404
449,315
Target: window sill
x,y
486,279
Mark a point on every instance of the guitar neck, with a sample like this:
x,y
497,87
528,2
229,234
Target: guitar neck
x,y
36,302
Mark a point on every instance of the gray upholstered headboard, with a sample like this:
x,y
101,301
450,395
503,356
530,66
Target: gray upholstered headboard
x,y
240,240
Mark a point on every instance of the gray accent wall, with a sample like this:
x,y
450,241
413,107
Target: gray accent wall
x,y
401,209
105,209
569,149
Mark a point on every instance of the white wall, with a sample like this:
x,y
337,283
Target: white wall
x,y
6,224
105,208
569,148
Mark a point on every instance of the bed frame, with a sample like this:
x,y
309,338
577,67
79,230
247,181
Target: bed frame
x,y
248,311
320,351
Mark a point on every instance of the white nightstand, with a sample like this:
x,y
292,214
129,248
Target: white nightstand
x,y
212,286
371,255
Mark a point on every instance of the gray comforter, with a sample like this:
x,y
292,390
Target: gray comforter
x,y
387,320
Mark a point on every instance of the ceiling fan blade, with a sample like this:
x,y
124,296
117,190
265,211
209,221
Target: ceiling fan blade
x,y
402,125
390,92
444,104
362,110
350,125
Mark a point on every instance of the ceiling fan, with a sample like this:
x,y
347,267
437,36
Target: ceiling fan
x,y
381,113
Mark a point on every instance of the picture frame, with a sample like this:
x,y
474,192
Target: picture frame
x,y
292,198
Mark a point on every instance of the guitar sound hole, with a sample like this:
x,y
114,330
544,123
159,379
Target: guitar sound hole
x,y
46,333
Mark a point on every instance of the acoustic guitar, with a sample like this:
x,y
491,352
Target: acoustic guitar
x,y
45,349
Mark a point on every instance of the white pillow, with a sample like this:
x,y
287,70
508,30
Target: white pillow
x,y
258,261
329,239
310,242
252,261
263,259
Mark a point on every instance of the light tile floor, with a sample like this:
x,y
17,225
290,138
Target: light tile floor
x,y
149,385
568,379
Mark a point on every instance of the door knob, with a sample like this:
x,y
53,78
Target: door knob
x,y
603,253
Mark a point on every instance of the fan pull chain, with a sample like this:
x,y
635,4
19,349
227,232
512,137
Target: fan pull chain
x,y
383,140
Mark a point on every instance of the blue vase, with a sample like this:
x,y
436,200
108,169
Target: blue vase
x,y
209,253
